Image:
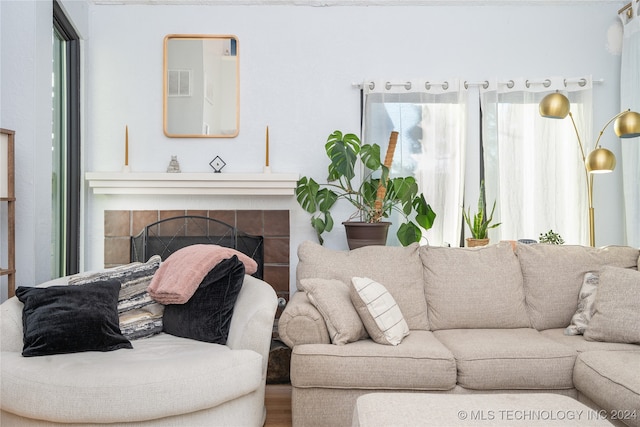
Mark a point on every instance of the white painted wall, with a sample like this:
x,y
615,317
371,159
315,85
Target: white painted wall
x,y
25,107
297,66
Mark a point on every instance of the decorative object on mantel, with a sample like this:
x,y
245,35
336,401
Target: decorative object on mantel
x,y
217,164
374,198
126,167
267,168
551,238
481,223
174,166
599,160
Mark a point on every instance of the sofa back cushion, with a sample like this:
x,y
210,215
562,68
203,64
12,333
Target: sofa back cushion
x,y
473,288
553,276
397,268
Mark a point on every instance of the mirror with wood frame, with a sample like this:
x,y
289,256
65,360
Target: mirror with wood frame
x,y
201,86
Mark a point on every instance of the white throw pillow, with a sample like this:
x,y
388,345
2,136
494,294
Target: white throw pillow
x,y
584,313
379,311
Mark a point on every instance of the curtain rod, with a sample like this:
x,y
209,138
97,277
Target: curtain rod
x,y
627,7
484,83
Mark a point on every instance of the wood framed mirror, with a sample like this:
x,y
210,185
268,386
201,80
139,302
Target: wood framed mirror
x,y
201,87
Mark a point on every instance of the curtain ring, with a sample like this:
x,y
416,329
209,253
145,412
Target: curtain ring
x,y
445,85
466,86
511,84
565,82
427,85
527,84
372,85
547,83
582,82
387,85
485,85
407,86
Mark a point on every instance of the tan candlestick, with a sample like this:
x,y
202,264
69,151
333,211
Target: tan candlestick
x,y
126,146
267,149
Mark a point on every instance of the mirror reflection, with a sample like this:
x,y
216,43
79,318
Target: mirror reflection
x,y
201,86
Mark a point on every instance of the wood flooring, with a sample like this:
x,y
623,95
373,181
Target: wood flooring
x,y
278,403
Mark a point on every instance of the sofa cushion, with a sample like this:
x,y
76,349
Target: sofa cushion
x,y
379,311
182,376
420,362
473,288
206,316
580,344
69,319
611,379
507,359
553,275
331,298
616,316
586,297
397,268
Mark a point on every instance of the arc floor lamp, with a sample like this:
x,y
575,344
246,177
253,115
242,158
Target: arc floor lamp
x,y
598,160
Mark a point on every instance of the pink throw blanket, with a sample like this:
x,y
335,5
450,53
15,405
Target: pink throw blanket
x,y
178,277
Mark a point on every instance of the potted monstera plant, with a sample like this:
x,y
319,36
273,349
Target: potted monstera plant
x,y
480,223
373,193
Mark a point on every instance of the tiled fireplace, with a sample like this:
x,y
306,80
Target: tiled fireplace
x,y
273,225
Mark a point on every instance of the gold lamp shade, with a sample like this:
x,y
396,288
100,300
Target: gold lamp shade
x,y
627,125
554,106
600,160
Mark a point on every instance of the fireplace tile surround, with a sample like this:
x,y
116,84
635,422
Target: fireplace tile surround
x,y
273,225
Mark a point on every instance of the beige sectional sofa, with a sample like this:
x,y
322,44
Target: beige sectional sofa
x,y
487,320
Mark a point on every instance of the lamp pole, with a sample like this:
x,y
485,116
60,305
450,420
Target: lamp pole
x,y
599,160
589,182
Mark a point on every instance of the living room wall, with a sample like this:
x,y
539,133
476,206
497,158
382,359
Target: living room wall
x,y
297,67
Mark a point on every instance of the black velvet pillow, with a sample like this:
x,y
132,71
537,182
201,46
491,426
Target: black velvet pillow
x,y
70,319
207,314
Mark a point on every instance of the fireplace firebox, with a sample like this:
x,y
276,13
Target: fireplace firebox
x,y
168,235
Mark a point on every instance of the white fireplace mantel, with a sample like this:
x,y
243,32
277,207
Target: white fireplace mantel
x,y
243,184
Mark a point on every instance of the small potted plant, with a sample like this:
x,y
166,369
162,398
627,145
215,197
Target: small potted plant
x,y
480,223
551,238
375,196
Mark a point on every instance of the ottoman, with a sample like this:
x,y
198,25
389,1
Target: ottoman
x,y
422,409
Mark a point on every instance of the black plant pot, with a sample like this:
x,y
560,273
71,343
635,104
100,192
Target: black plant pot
x,y
361,234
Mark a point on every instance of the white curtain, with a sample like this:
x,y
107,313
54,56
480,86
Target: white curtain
x,y
630,98
533,166
430,117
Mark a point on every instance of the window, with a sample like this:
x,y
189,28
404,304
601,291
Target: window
x,y
450,137
65,146
532,165
432,133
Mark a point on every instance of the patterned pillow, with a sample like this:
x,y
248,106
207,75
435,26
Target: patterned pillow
x,y
140,316
378,310
586,297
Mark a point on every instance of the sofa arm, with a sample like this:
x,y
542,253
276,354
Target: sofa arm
x,y
11,325
253,315
302,323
